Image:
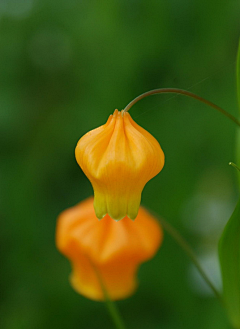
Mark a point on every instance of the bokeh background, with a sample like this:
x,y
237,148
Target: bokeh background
x,y
64,67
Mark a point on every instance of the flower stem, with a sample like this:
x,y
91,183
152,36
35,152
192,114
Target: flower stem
x,y
190,253
113,311
182,92
111,306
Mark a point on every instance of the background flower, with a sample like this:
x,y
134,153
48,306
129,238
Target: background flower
x,y
114,249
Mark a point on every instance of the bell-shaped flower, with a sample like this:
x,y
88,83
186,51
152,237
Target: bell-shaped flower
x,y
109,249
119,158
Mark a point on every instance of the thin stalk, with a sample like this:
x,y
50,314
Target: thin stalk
x,y
181,92
190,253
111,306
234,166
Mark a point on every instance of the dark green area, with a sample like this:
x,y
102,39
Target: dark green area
x,y
64,67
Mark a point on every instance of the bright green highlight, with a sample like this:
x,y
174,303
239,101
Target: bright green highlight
x,y
238,75
229,256
238,95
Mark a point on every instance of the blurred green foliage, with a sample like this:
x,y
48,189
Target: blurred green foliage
x,y
229,257
64,67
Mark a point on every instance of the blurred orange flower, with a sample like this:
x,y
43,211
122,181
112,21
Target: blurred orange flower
x,y
114,249
119,158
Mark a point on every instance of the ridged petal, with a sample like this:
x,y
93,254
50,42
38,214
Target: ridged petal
x,y
119,158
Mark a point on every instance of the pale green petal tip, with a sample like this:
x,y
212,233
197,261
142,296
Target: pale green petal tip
x,y
99,206
116,212
116,209
133,206
99,214
132,214
124,207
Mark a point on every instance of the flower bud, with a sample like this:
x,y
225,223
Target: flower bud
x,y
119,158
113,249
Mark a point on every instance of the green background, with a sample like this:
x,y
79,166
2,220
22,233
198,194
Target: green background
x,y
64,67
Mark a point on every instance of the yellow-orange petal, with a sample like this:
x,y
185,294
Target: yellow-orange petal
x,y
115,249
119,158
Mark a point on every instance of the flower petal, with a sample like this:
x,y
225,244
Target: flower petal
x,y
114,249
119,158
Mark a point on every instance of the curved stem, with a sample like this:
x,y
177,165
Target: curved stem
x,y
234,166
181,92
188,250
111,306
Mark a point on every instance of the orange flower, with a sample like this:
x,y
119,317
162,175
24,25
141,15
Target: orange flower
x,y
114,249
119,158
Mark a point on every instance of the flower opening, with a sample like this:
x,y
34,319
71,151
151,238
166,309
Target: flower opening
x,y
119,158
115,249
